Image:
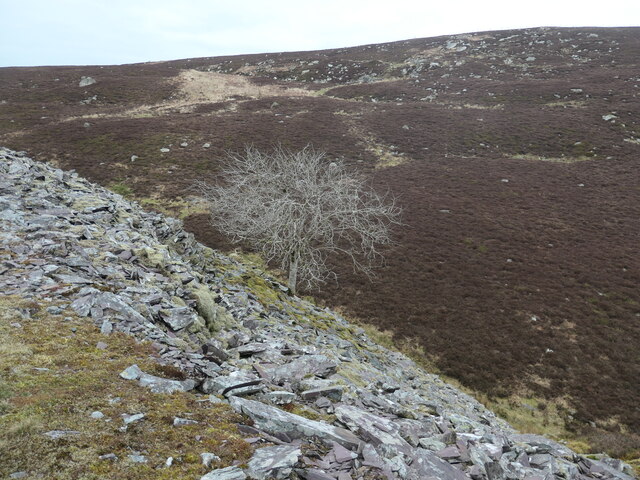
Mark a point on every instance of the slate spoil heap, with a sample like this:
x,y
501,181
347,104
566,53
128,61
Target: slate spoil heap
x,y
241,339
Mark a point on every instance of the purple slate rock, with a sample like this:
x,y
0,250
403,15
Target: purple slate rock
x,y
449,452
342,454
475,472
250,349
523,459
323,402
371,457
333,393
315,474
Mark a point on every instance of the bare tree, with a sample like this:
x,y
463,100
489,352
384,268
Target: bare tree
x,y
296,208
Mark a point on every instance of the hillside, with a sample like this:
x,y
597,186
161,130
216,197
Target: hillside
x,y
285,389
514,156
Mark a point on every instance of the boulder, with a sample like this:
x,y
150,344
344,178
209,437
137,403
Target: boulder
x,y
86,81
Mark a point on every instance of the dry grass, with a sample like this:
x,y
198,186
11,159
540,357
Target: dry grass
x,y
385,156
210,87
194,88
538,158
53,378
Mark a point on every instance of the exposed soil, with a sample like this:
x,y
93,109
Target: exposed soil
x,y
514,155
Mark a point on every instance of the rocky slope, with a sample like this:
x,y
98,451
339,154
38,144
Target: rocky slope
x,y
331,402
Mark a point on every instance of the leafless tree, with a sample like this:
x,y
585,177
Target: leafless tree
x,y
298,207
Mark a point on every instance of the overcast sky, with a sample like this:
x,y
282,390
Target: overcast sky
x,y
81,32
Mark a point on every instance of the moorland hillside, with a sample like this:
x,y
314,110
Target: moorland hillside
x,y
513,154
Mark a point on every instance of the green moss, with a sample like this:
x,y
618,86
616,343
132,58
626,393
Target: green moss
x,y
121,188
177,207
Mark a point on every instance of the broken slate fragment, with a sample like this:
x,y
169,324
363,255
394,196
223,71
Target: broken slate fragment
x,y
56,434
236,383
318,365
181,422
250,349
341,454
426,464
315,474
229,473
106,328
332,393
208,458
178,318
382,432
275,421
273,462
157,384
137,458
280,397
128,419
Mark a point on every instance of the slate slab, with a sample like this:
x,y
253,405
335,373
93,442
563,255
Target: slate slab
x,y
275,421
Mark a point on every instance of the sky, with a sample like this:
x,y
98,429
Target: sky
x,y
105,32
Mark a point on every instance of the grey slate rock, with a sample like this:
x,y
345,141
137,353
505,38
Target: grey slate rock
x,y
273,462
297,369
86,81
157,384
280,397
427,465
332,393
128,419
135,458
181,422
381,432
229,473
178,318
274,421
57,434
315,474
236,383
208,458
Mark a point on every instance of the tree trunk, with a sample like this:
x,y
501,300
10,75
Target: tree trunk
x,y
293,272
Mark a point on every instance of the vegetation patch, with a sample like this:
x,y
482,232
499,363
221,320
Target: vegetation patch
x,y
54,377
